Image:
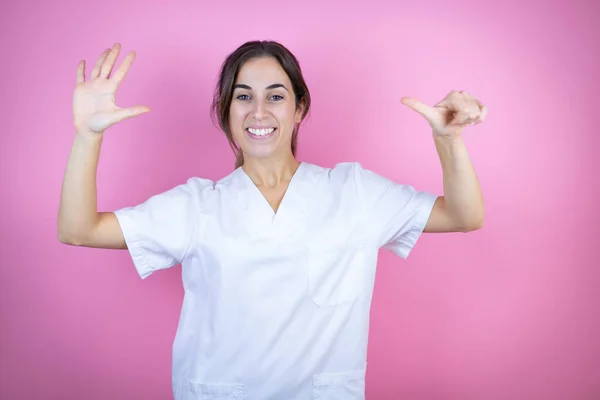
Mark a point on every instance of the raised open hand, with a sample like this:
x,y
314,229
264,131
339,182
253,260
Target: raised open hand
x,y
94,108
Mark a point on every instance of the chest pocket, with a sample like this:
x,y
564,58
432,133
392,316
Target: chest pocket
x,y
337,274
341,262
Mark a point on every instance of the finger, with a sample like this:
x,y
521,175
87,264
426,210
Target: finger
x,y
126,113
477,119
474,119
477,115
459,113
467,109
109,62
81,72
481,108
416,105
469,97
96,71
484,112
121,72
461,117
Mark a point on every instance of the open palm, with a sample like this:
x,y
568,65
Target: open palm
x,y
94,106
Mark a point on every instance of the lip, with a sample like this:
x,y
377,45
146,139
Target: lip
x,y
259,138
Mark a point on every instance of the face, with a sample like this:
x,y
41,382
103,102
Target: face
x,y
263,110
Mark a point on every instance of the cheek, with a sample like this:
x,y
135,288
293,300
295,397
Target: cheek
x,y
235,114
287,115
236,119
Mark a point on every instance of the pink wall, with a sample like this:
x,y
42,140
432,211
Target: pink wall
x,y
508,312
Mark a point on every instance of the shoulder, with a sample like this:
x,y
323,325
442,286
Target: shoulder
x,y
194,187
366,185
186,195
352,173
348,174
210,194
343,172
198,184
207,187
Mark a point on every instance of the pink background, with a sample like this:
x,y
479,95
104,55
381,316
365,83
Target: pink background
x,y
507,312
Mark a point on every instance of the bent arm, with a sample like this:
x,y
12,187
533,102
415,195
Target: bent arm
x,y
79,222
461,208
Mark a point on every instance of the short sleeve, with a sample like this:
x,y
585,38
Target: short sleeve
x,y
160,231
395,214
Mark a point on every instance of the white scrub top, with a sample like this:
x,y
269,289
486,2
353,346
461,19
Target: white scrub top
x,y
276,305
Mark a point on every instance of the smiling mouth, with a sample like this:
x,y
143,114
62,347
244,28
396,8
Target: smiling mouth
x,y
262,133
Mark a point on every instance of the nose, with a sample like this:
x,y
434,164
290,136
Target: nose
x,y
259,110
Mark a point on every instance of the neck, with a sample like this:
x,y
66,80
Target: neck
x,y
270,172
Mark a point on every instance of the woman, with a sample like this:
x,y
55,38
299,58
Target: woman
x,y
278,258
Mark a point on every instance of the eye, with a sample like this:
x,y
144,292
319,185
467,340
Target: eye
x,y
241,97
277,97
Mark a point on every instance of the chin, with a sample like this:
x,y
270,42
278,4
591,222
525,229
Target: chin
x,y
257,154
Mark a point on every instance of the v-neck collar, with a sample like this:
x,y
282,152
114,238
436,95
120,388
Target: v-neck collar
x,y
260,215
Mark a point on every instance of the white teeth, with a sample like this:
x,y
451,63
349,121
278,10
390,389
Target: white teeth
x,y
260,132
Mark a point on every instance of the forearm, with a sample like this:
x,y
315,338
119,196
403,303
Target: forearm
x,y
463,200
78,214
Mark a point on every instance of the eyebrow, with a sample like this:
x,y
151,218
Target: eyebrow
x,y
273,86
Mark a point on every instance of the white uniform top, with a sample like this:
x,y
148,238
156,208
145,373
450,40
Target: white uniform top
x,y
276,305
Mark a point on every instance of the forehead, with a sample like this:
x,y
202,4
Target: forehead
x,y
262,72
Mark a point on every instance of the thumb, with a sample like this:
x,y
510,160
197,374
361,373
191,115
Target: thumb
x,y
125,113
416,105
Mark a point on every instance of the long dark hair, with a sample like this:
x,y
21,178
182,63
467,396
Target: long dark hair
x,y
223,93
